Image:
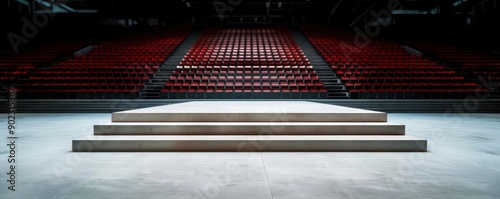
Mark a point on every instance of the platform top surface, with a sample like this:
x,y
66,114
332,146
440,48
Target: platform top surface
x,y
250,107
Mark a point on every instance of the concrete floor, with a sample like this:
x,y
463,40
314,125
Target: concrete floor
x,y
463,162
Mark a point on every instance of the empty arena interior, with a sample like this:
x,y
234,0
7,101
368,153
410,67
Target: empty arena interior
x,y
250,98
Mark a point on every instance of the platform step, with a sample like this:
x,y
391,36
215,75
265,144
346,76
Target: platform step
x,y
248,143
250,128
249,111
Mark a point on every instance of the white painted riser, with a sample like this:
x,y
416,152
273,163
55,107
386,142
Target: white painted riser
x,y
248,143
251,128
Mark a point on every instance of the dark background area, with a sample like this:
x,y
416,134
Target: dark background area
x,y
470,23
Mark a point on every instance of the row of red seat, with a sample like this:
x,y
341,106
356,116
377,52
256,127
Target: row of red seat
x,y
394,72
107,67
247,93
416,79
255,62
82,85
251,90
91,72
357,67
249,77
245,67
419,85
425,93
70,79
202,73
80,93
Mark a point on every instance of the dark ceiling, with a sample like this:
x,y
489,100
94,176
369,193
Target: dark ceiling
x,y
345,12
347,8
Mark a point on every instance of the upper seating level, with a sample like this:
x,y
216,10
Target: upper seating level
x,y
116,68
383,69
244,63
478,63
15,65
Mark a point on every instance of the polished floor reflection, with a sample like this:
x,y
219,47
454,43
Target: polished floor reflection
x,y
462,162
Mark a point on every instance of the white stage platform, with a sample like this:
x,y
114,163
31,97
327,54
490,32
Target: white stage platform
x,y
249,126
